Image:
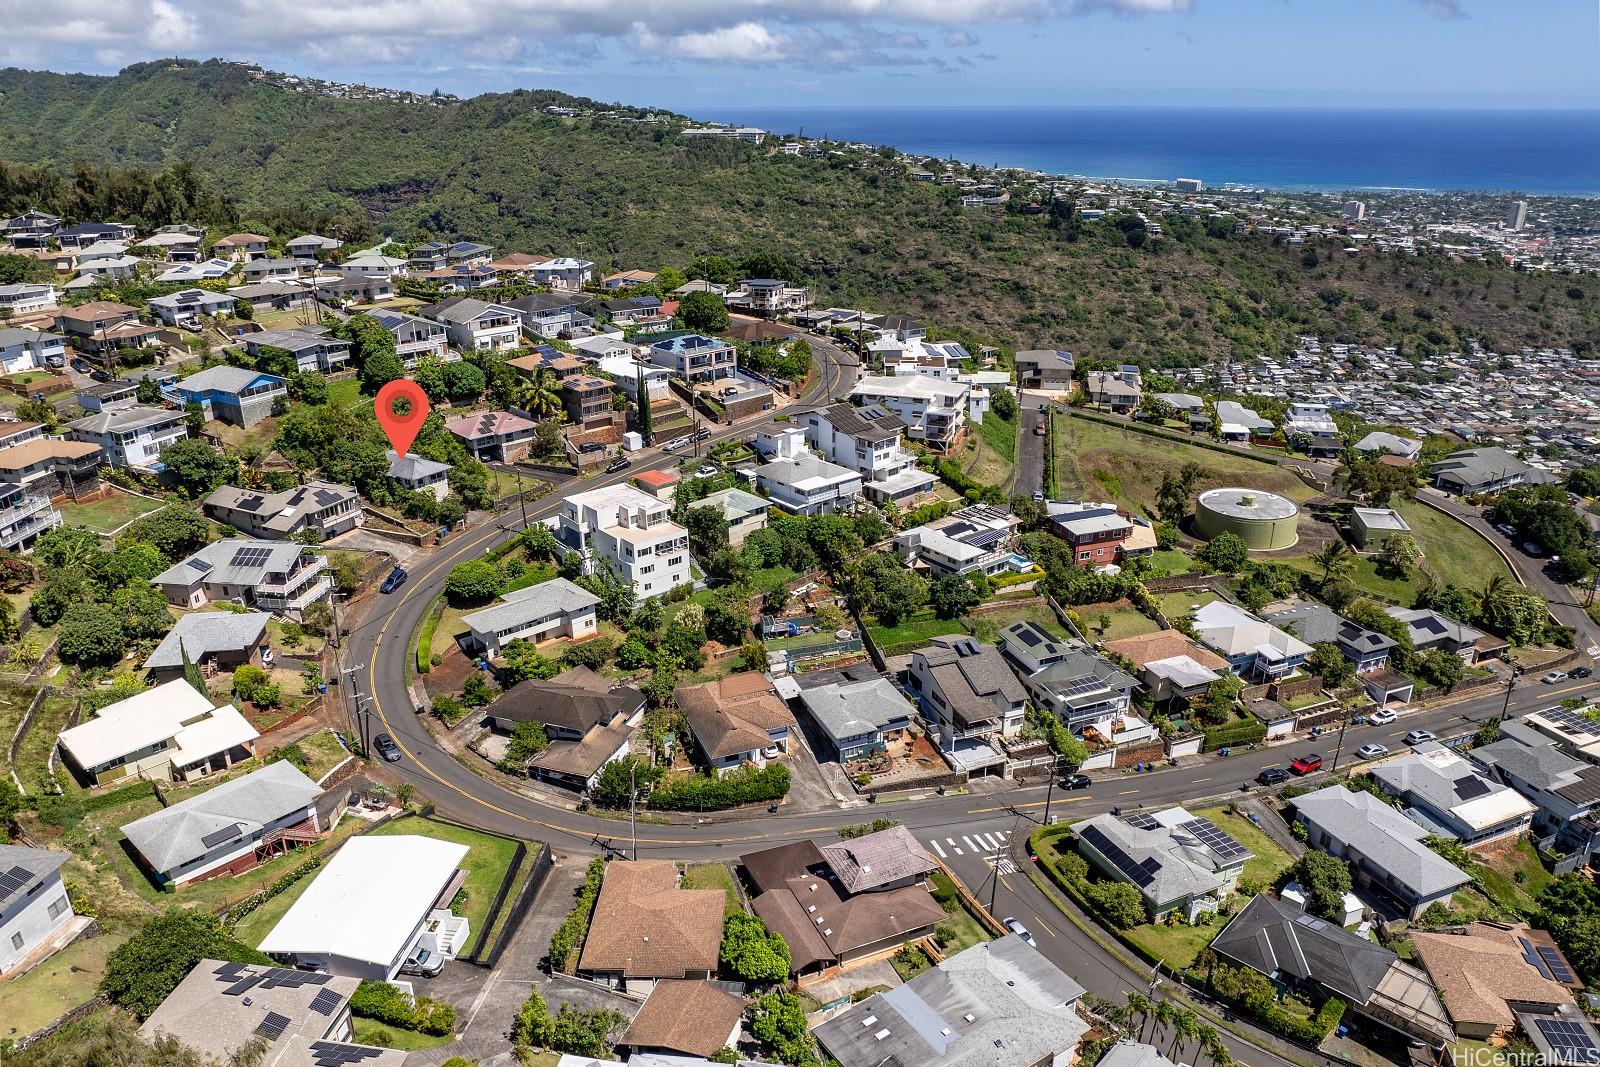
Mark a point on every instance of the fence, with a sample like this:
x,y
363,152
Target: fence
x,y
22,732
519,908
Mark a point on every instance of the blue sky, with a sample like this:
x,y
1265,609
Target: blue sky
x,y
695,55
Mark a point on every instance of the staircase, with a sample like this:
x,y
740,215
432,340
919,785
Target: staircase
x,y
669,418
285,836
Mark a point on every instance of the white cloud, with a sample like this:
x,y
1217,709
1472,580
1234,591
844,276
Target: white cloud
x,y
747,42
1445,9
960,39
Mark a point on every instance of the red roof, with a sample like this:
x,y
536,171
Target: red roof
x,y
656,479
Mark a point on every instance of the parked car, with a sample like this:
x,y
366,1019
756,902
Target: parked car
x,y
677,442
591,447
100,375
1273,776
1507,529
1038,428
702,434
396,579
1580,672
1076,781
82,366
1306,764
1038,497
771,752
423,963
621,463
706,470
1381,717
1372,751
57,362
1417,737
387,748
1553,677
1017,928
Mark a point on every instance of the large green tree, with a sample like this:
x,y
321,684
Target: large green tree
x,y
144,969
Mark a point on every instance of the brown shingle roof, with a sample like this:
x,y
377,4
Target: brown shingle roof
x,y
876,859
1164,644
1477,972
692,1017
644,926
732,714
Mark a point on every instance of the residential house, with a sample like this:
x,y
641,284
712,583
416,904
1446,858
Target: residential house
x,y
34,909
1047,369
493,435
50,466
846,903
691,1018
1255,650
221,1010
277,576
1430,630
645,928
311,246
563,274
246,246
1488,972
801,482
114,395
357,289
1098,533
1088,693
629,531
976,539
936,359
537,613
187,305
1180,863
745,513
1319,959
314,348
26,298
856,711
1478,470
210,640
85,234
414,337
463,278
103,326
1112,389
1449,796
419,475
1381,441
320,507
104,261
627,279
737,719
933,411
276,270
517,264
130,437
1385,850
24,517
31,229
1171,667
226,831
768,297
548,314
378,901
1564,788
233,394
589,720
967,695
174,247
372,266
997,1002
473,324
695,358
1311,428
1367,650
169,732
1370,527
640,314
661,484
23,350
867,440
1237,423
588,403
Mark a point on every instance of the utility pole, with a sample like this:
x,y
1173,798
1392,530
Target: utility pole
x,y
1055,766
633,807
1505,709
522,500
348,674
1344,720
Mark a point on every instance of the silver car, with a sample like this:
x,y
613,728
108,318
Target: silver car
x,y
1372,751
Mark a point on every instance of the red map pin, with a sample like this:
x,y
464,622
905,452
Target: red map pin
x,y
401,429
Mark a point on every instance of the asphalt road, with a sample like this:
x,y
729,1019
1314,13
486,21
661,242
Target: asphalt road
x,y
1028,477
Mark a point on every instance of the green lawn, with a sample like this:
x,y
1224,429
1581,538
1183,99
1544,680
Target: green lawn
x,y
369,1032
1000,435
987,626
253,928
1168,561
1455,551
1184,601
1497,876
1177,944
1269,859
913,632
346,392
103,516
307,644
1125,622
55,986
967,930
323,753
487,862
715,876
34,753
1101,462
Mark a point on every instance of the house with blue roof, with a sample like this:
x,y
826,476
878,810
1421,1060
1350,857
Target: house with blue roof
x,y
233,394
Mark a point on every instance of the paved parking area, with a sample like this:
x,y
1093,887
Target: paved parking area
x,y
809,789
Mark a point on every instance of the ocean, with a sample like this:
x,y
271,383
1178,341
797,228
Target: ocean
x,y
1536,152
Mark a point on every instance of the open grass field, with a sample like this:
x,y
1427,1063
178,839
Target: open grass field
x,y
715,876
487,862
1174,605
323,753
55,986
103,516
1101,462
912,632
1178,944
285,319
1169,561
994,441
1269,859
307,644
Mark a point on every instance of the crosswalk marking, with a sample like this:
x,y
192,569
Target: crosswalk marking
x,y
968,842
936,848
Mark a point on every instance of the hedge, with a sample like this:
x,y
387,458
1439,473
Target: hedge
x,y
384,1003
430,622
119,796
747,785
569,935
1243,732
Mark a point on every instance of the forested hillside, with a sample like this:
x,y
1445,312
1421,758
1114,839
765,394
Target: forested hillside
x,y
499,168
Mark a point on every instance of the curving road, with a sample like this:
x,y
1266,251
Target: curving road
x,y
380,648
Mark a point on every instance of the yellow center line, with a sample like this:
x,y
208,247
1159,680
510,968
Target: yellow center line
x,y
1043,925
1011,807
1127,792
1005,883
1199,780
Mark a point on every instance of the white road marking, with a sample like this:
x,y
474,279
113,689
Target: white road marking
x,y
968,842
936,848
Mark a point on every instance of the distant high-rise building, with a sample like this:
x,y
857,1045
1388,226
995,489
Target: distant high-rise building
x,y
1355,210
1189,185
1517,217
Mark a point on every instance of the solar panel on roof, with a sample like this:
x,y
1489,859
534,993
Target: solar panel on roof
x,y
217,837
326,1002
1029,636
1140,874
273,1026
1142,820
336,1054
1532,959
200,565
250,557
1471,786
229,970
1556,965
13,880
1215,838
1572,722
1569,1040
242,985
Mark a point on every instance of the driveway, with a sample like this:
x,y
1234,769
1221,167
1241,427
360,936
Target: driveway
x,y
1029,473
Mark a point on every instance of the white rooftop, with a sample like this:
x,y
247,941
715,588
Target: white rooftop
x,y
172,710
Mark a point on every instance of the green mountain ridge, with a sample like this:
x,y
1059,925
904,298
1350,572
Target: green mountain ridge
x,y
501,169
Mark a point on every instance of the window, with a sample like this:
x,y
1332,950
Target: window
x,y
59,908
16,941
1084,555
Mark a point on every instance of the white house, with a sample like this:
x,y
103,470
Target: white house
x,y
130,437
414,337
563,273
373,906
630,531
24,350
933,411
413,472
167,732
473,324
277,576
24,297
1311,427
371,266
799,481
208,271
867,439
975,539
33,902
557,608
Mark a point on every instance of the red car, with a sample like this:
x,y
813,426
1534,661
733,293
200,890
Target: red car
x,y
1306,764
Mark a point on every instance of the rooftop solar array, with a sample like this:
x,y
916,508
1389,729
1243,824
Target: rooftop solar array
x,y
1556,965
1469,787
326,1002
273,1026
217,837
335,1054
13,880
1140,874
271,978
1142,820
1569,1040
1214,838
250,557
1572,722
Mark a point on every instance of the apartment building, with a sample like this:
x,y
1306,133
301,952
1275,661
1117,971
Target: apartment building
x,y
933,411
629,531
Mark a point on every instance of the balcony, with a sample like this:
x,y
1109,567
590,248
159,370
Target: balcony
x,y
274,601
29,519
288,585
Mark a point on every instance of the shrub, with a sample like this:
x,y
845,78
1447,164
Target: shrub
x,y
569,935
383,1003
748,785
1244,732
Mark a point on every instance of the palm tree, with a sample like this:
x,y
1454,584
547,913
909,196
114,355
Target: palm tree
x,y
539,393
1163,1013
1214,1048
1185,1028
1336,561
1491,592
1138,1005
